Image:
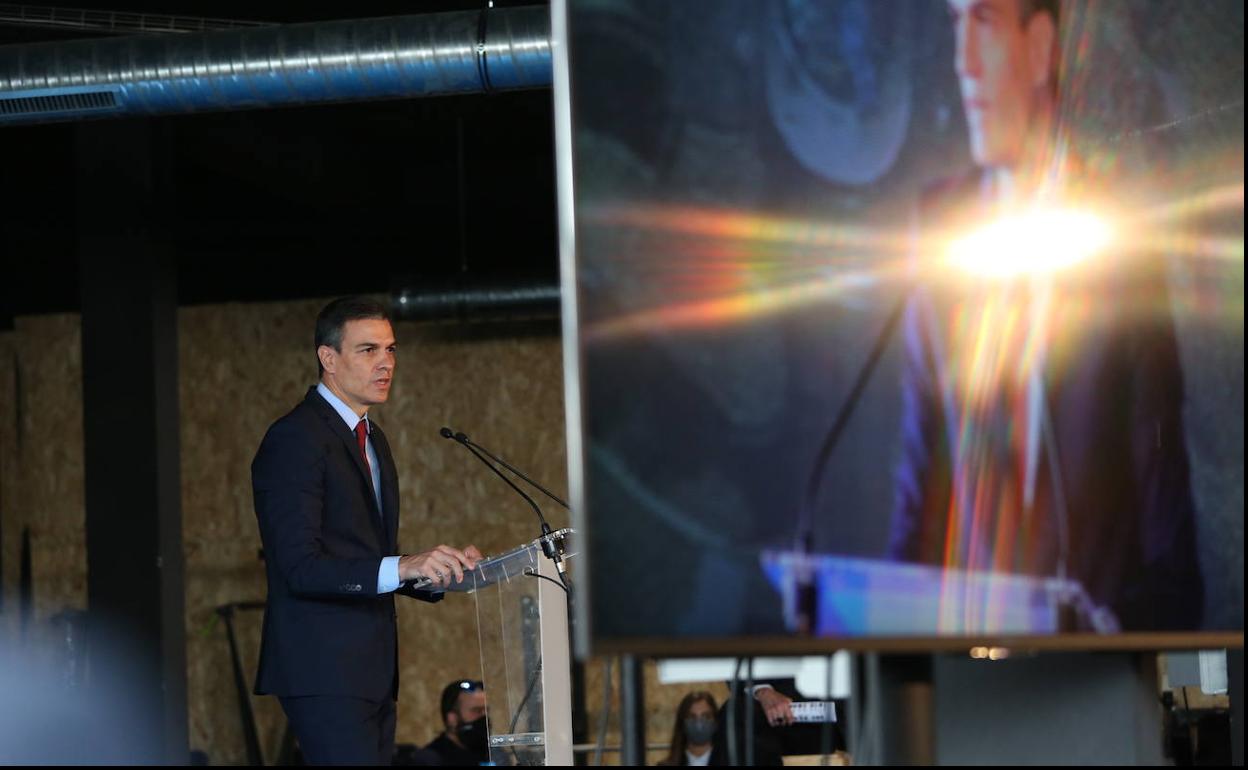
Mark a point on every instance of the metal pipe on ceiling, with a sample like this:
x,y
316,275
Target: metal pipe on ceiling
x,y
114,22
262,67
475,299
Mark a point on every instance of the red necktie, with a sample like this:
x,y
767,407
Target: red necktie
x,y
361,438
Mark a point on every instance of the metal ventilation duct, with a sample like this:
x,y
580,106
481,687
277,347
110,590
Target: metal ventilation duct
x,y
85,19
356,60
473,299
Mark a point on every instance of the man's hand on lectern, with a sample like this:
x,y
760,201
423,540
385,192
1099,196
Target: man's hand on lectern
x,y
439,565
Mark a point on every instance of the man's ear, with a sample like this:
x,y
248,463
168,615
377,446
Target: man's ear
x,y
1041,49
328,357
451,719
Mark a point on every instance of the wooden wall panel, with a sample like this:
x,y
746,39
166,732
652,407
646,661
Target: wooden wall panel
x,y
49,465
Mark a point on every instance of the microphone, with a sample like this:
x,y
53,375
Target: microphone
x,y
548,546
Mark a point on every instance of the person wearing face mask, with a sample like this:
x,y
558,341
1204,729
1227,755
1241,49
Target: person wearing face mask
x,y
694,732
464,739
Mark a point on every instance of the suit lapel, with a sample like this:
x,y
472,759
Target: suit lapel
x,y
389,485
340,429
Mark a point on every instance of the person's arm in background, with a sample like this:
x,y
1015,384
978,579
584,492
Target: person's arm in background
x,y
768,746
775,704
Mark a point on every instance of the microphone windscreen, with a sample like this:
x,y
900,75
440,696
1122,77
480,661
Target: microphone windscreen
x,y
446,433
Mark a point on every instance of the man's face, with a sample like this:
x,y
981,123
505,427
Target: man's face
x,y
469,708
1001,61
363,369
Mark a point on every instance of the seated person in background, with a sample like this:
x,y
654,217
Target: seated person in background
x,y
693,733
464,739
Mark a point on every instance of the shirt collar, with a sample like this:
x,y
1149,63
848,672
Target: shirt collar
x,y
344,411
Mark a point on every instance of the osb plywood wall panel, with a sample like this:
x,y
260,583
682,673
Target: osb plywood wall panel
x,y
241,366
43,470
237,372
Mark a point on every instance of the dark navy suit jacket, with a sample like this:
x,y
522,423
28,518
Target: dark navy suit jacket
x,y
326,631
1115,395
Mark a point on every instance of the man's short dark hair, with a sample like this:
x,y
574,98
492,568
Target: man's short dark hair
x,y
450,694
334,316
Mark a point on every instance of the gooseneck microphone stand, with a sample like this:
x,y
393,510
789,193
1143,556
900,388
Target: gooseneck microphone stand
x,y
463,439
552,543
807,593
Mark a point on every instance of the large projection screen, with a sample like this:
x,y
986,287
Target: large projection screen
x,y
903,325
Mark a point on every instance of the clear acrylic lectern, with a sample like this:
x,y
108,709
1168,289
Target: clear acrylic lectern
x,y
522,622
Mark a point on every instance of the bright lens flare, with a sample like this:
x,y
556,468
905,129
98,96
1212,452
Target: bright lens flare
x,y
1035,243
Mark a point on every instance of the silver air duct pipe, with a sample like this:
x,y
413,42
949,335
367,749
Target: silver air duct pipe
x,y
474,299
340,61
116,22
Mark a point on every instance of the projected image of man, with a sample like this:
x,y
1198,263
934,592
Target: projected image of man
x,y
1042,431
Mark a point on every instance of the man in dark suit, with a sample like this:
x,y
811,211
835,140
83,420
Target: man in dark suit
x,y
327,500
1042,429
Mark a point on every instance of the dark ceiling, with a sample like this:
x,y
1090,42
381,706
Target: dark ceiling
x,y
294,202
